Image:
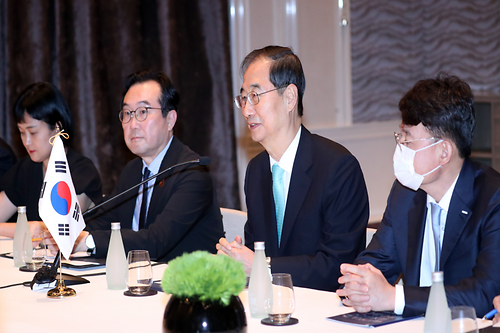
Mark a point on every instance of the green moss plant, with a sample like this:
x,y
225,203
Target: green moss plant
x,y
205,276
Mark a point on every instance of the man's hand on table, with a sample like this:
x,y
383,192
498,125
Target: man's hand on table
x,y
238,251
366,288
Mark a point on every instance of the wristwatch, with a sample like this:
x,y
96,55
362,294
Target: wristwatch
x,y
89,241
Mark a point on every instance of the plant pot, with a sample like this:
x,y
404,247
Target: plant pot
x,y
192,315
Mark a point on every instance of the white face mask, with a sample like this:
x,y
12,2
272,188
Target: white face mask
x,y
404,170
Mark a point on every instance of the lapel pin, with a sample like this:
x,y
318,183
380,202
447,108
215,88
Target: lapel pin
x,y
162,182
465,212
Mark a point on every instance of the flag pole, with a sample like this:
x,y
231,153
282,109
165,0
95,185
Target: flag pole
x,y
61,291
55,204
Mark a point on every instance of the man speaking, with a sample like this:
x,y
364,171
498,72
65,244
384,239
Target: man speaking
x,y
306,195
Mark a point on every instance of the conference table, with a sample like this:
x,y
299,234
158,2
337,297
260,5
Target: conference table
x,y
95,308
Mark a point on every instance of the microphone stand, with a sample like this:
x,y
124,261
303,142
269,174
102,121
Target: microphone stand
x,y
61,291
204,160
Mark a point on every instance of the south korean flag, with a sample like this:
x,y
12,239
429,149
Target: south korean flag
x,y
58,205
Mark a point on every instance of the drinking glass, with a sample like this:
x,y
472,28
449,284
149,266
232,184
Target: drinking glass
x,y
35,258
463,319
140,273
282,303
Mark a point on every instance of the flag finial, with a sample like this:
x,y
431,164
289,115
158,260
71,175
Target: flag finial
x,y
60,133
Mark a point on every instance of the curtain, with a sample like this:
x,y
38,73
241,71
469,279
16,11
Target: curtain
x,y
87,48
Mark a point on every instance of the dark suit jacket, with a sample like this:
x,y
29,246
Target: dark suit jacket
x,y
325,216
470,256
7,158
183,215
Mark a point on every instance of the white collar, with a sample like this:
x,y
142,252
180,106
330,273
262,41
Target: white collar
x,y
154,167
444,203
287,159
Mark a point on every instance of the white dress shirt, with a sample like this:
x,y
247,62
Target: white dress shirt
x,y
154,167
428,261
286,162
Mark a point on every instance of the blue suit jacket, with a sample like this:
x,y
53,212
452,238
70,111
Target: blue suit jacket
x,y
470,256
325,215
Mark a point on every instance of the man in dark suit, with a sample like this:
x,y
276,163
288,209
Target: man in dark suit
x,y
311,214
443,212
175,213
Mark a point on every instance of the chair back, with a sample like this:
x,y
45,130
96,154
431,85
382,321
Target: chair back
x,y
369,235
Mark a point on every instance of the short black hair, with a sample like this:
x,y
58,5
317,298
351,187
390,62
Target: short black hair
x,y
445,107
169,99
286,69
43,101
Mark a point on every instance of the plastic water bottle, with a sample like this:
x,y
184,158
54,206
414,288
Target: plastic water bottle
x,y
260,283
116,262
22,237
437,315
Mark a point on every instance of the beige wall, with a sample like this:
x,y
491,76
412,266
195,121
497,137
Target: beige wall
x,y
373,145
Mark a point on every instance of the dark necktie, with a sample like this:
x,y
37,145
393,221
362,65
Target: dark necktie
x,y
144,205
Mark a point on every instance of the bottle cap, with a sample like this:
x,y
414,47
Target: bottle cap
x,y
21,209
115,226
259,246
437,277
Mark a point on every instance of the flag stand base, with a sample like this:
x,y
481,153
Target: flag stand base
x,y
61,291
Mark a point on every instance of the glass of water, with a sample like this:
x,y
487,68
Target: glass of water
x,y
140,273
35,258
281,303
463,319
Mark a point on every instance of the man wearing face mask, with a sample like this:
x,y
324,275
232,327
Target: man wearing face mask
x,y
443,212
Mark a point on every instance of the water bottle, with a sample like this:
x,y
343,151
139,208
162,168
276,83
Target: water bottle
x,y
260,283
22,237
116,262
437,315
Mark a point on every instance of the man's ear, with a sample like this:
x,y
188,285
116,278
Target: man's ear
x,y
446,151
171,119
291,97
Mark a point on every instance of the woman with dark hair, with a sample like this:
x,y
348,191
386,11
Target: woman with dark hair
x,y
40,113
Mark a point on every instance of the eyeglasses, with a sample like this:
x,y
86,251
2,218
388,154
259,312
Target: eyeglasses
x,y
141,113
252,97
399,142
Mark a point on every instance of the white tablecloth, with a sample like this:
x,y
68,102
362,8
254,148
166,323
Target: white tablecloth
x,y
97,309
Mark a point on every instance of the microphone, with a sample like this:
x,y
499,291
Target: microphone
x,y
204,160
47,275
